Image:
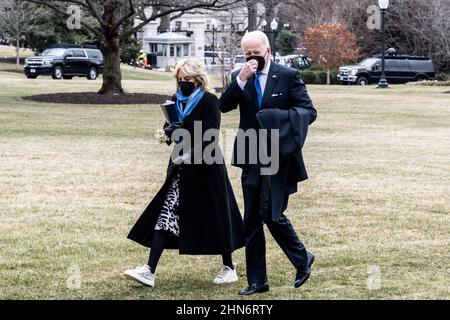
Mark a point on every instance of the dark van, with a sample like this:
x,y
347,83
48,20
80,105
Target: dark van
x,y
398,69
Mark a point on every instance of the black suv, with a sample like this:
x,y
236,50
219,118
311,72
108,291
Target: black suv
x,y
398,69
66,62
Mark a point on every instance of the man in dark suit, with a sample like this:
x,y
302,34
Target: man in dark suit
x,y
270,96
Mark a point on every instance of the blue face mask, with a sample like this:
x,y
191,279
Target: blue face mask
x,y
186,87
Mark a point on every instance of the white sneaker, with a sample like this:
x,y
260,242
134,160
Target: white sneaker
x,y
141,274
226,275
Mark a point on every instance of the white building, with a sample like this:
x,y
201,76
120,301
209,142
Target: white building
x,y
191,35
175,44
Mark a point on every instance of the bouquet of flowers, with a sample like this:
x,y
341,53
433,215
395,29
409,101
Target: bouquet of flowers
x,y
161,136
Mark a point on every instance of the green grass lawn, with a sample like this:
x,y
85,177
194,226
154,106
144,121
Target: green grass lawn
x,y
74,179
128,73
10,67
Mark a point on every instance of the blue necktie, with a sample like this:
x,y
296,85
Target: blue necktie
x,y
258,89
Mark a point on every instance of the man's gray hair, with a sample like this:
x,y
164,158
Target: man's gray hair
x,y
255,35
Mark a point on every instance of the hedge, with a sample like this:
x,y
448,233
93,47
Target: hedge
x,y
318,77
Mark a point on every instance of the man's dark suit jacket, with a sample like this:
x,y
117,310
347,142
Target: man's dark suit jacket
x,y
285,106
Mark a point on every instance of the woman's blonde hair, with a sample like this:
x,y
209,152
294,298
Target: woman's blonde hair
x,y
193,68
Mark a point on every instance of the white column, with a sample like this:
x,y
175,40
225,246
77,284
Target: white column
x,y
198,27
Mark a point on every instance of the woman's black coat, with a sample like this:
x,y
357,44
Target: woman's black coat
x,y
210,221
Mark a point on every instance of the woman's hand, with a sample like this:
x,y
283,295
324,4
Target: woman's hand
x,y
170,128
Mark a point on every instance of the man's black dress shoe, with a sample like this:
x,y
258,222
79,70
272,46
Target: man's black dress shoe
x,y
255,288
303,275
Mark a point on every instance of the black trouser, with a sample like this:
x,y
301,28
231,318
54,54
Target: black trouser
x,y
255,244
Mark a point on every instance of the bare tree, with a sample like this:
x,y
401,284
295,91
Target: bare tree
x,y
111,17
302,14
252,14
413,27
229,38
270,9
165,23
441,27
17,20
232,46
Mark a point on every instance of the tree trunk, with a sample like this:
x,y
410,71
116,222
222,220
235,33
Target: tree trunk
x,y
252,15
18,15
165,23
269,15
18,53
328,76
112,75
110,46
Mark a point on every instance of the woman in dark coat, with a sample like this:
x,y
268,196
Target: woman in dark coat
x,y
195,210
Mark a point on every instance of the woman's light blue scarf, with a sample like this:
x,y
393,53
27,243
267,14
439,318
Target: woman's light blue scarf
x,y
190,101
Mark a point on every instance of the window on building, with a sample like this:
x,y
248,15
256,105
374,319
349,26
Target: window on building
x,y
162,50
177,25
185,49
178,50
172,50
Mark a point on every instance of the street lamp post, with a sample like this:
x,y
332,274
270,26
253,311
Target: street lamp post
x,y
383,4
274,27
213,40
